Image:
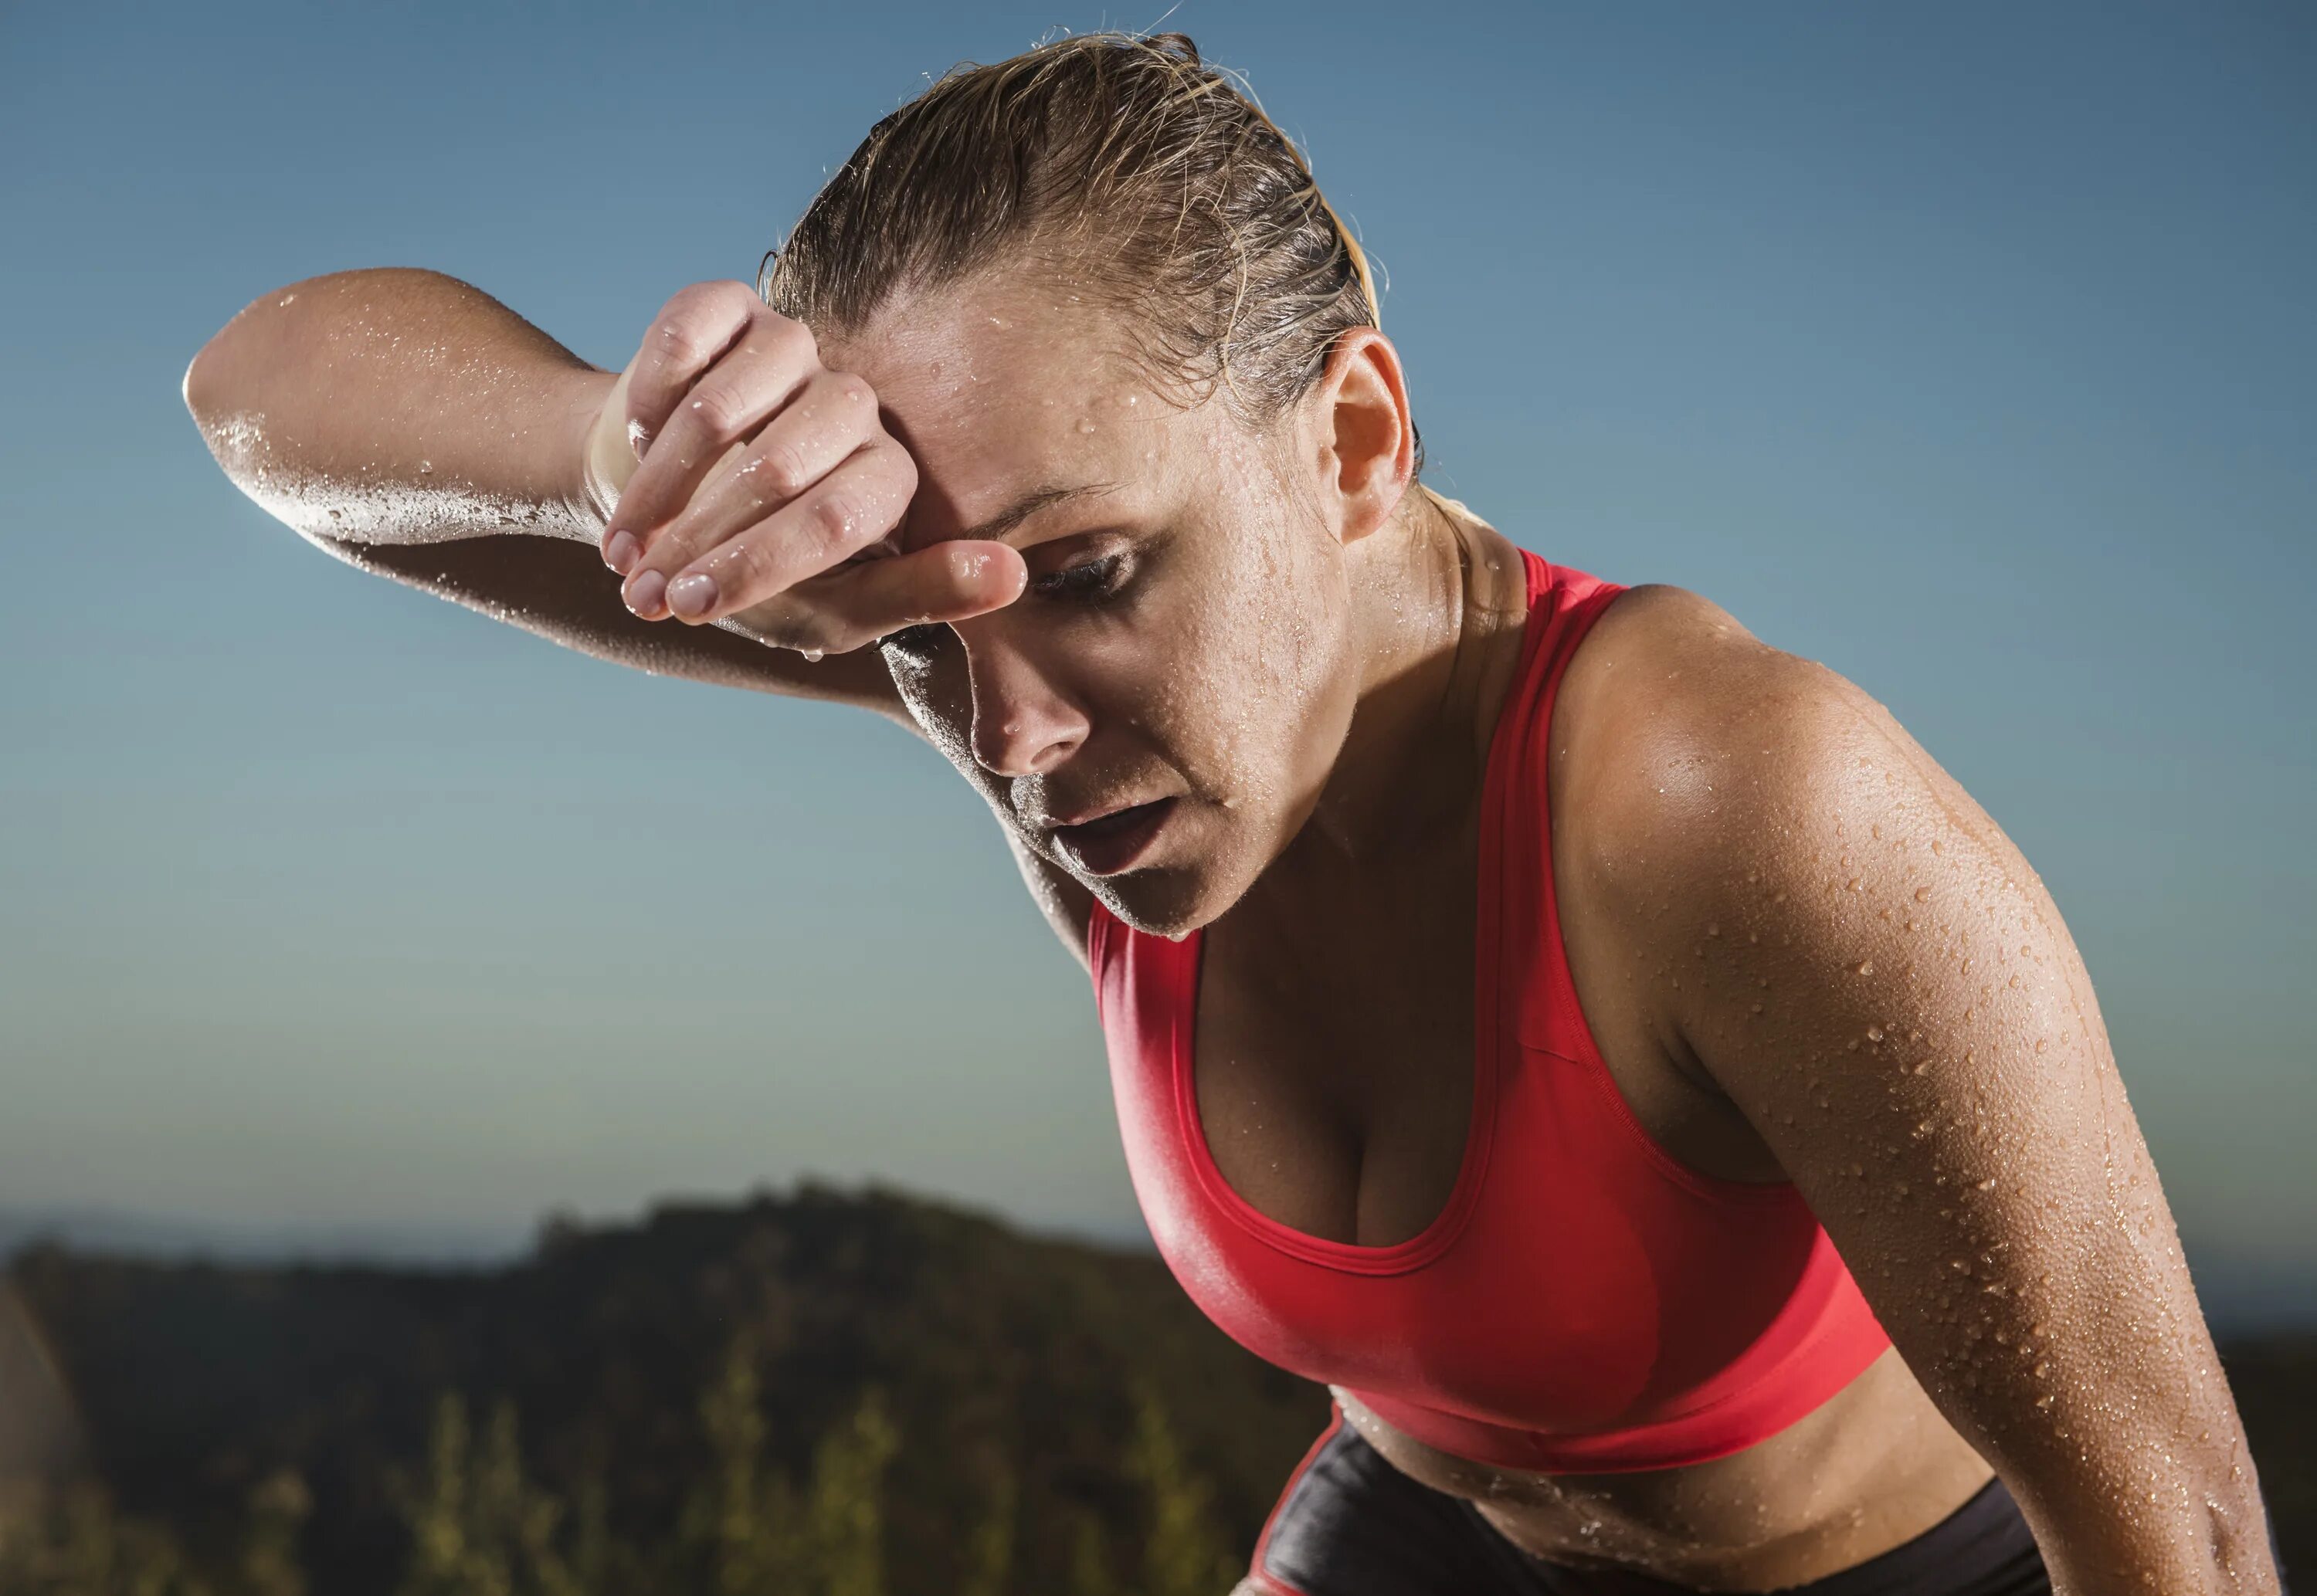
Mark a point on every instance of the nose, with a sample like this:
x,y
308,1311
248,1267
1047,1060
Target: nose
x,y
1022,726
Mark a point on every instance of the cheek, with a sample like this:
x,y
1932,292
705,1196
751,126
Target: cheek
x,y
1246,689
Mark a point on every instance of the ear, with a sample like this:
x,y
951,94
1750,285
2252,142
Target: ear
x,y
1364,433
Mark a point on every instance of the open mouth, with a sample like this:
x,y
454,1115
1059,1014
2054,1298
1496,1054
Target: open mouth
x,y
1113,844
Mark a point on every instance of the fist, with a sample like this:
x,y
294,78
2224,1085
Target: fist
x,y
749,485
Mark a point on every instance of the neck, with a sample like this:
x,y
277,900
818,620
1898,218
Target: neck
x,y
1438,602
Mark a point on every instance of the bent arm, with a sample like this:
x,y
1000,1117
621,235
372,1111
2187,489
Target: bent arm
x,y
1879,982
413,426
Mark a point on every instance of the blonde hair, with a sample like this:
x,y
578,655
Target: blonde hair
x,y
1128,165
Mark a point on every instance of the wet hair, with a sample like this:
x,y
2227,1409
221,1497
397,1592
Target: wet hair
x,y
1127,166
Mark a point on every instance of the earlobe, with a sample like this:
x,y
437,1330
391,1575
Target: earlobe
x,y
1368,442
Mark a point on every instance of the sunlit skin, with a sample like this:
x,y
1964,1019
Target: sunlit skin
x,y
1803,951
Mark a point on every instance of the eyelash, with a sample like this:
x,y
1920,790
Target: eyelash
x,y
1076,582
1094,582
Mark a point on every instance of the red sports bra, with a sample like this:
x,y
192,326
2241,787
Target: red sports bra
x,y
1584,1303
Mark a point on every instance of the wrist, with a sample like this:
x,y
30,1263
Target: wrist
x,y
606,457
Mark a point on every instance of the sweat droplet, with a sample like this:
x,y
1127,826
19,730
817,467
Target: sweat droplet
x,y
1866,967
1922,894
1988,1184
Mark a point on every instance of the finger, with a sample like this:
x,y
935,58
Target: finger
x,y
843,610
833,416
692,331
726,404
850,508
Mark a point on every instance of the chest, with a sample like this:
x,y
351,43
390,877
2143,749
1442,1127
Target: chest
x,y
1333,1070
1334,1054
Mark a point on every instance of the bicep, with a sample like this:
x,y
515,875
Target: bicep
x,y
558,588
1883,987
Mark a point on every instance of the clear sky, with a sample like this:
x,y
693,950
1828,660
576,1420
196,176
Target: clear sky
x,y
1957,346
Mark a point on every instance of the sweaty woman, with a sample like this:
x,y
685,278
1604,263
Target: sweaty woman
x,y
1603,1050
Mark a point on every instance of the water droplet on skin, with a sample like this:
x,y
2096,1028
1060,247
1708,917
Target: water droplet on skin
x,y
1986,1185
1874,1033
1922,894
1866,967
1712,929
2044,1401
1851,884
2041,1045
812,654
1086,427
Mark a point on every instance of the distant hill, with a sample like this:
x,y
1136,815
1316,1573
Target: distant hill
x,y
714,1398
996,1357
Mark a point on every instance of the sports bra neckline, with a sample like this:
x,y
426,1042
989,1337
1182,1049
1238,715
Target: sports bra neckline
x,y
1441,1233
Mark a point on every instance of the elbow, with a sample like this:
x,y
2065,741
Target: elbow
x,y
208,388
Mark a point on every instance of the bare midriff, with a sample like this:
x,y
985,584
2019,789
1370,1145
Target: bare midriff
x,y
1866,1472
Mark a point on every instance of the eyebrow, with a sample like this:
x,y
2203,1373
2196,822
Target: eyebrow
x,y
1029,504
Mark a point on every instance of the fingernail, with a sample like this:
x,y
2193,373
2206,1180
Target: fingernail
x,y
620,550
691,596
645,591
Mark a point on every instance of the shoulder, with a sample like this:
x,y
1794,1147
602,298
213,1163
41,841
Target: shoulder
x,y
1681,740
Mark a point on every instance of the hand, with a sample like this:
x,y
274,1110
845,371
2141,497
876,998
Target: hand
x,y
768,488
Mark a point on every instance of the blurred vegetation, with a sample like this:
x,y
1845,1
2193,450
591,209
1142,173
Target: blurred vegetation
x,y
820,1396
824,1395
478,1525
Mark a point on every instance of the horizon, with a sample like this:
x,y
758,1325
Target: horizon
x,y
2242,1299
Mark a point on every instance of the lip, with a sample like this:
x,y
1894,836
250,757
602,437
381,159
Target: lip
x,y
1109,844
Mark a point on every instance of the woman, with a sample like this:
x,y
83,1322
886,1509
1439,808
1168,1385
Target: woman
x,y
1607,1050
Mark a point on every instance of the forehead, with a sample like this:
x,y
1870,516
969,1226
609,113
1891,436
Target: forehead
x,y
1000,387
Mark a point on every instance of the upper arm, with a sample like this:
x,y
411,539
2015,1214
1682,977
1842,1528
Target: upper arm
x,y
1862,961
558,588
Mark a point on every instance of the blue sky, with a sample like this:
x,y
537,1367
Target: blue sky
x,y
1954,346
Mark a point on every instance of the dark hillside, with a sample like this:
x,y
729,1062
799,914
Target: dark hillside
x,y
825,1392
996,1357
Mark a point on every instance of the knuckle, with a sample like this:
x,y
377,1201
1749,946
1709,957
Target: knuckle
x,y
718,410
833,518
738,568
783,470
792,336
895,465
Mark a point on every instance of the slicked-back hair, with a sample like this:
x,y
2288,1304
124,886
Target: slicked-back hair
x,y
1124,164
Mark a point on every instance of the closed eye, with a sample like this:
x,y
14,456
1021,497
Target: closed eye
x,y
1093,581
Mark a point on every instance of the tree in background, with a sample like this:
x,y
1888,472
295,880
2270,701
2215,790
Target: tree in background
x,y
480,1527
760,1536
77,1546
1184,1555
277,1510
989,1550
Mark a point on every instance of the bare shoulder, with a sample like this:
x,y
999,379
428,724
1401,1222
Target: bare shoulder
x,y
1678,732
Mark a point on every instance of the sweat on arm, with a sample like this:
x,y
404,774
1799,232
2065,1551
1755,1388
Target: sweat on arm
x,y
1866,966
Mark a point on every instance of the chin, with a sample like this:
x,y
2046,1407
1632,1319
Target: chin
x,y
1166,900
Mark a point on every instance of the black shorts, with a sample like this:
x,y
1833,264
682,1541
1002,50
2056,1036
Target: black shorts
x,y
1350,1524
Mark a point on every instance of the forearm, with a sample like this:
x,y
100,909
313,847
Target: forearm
x,y
399,406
